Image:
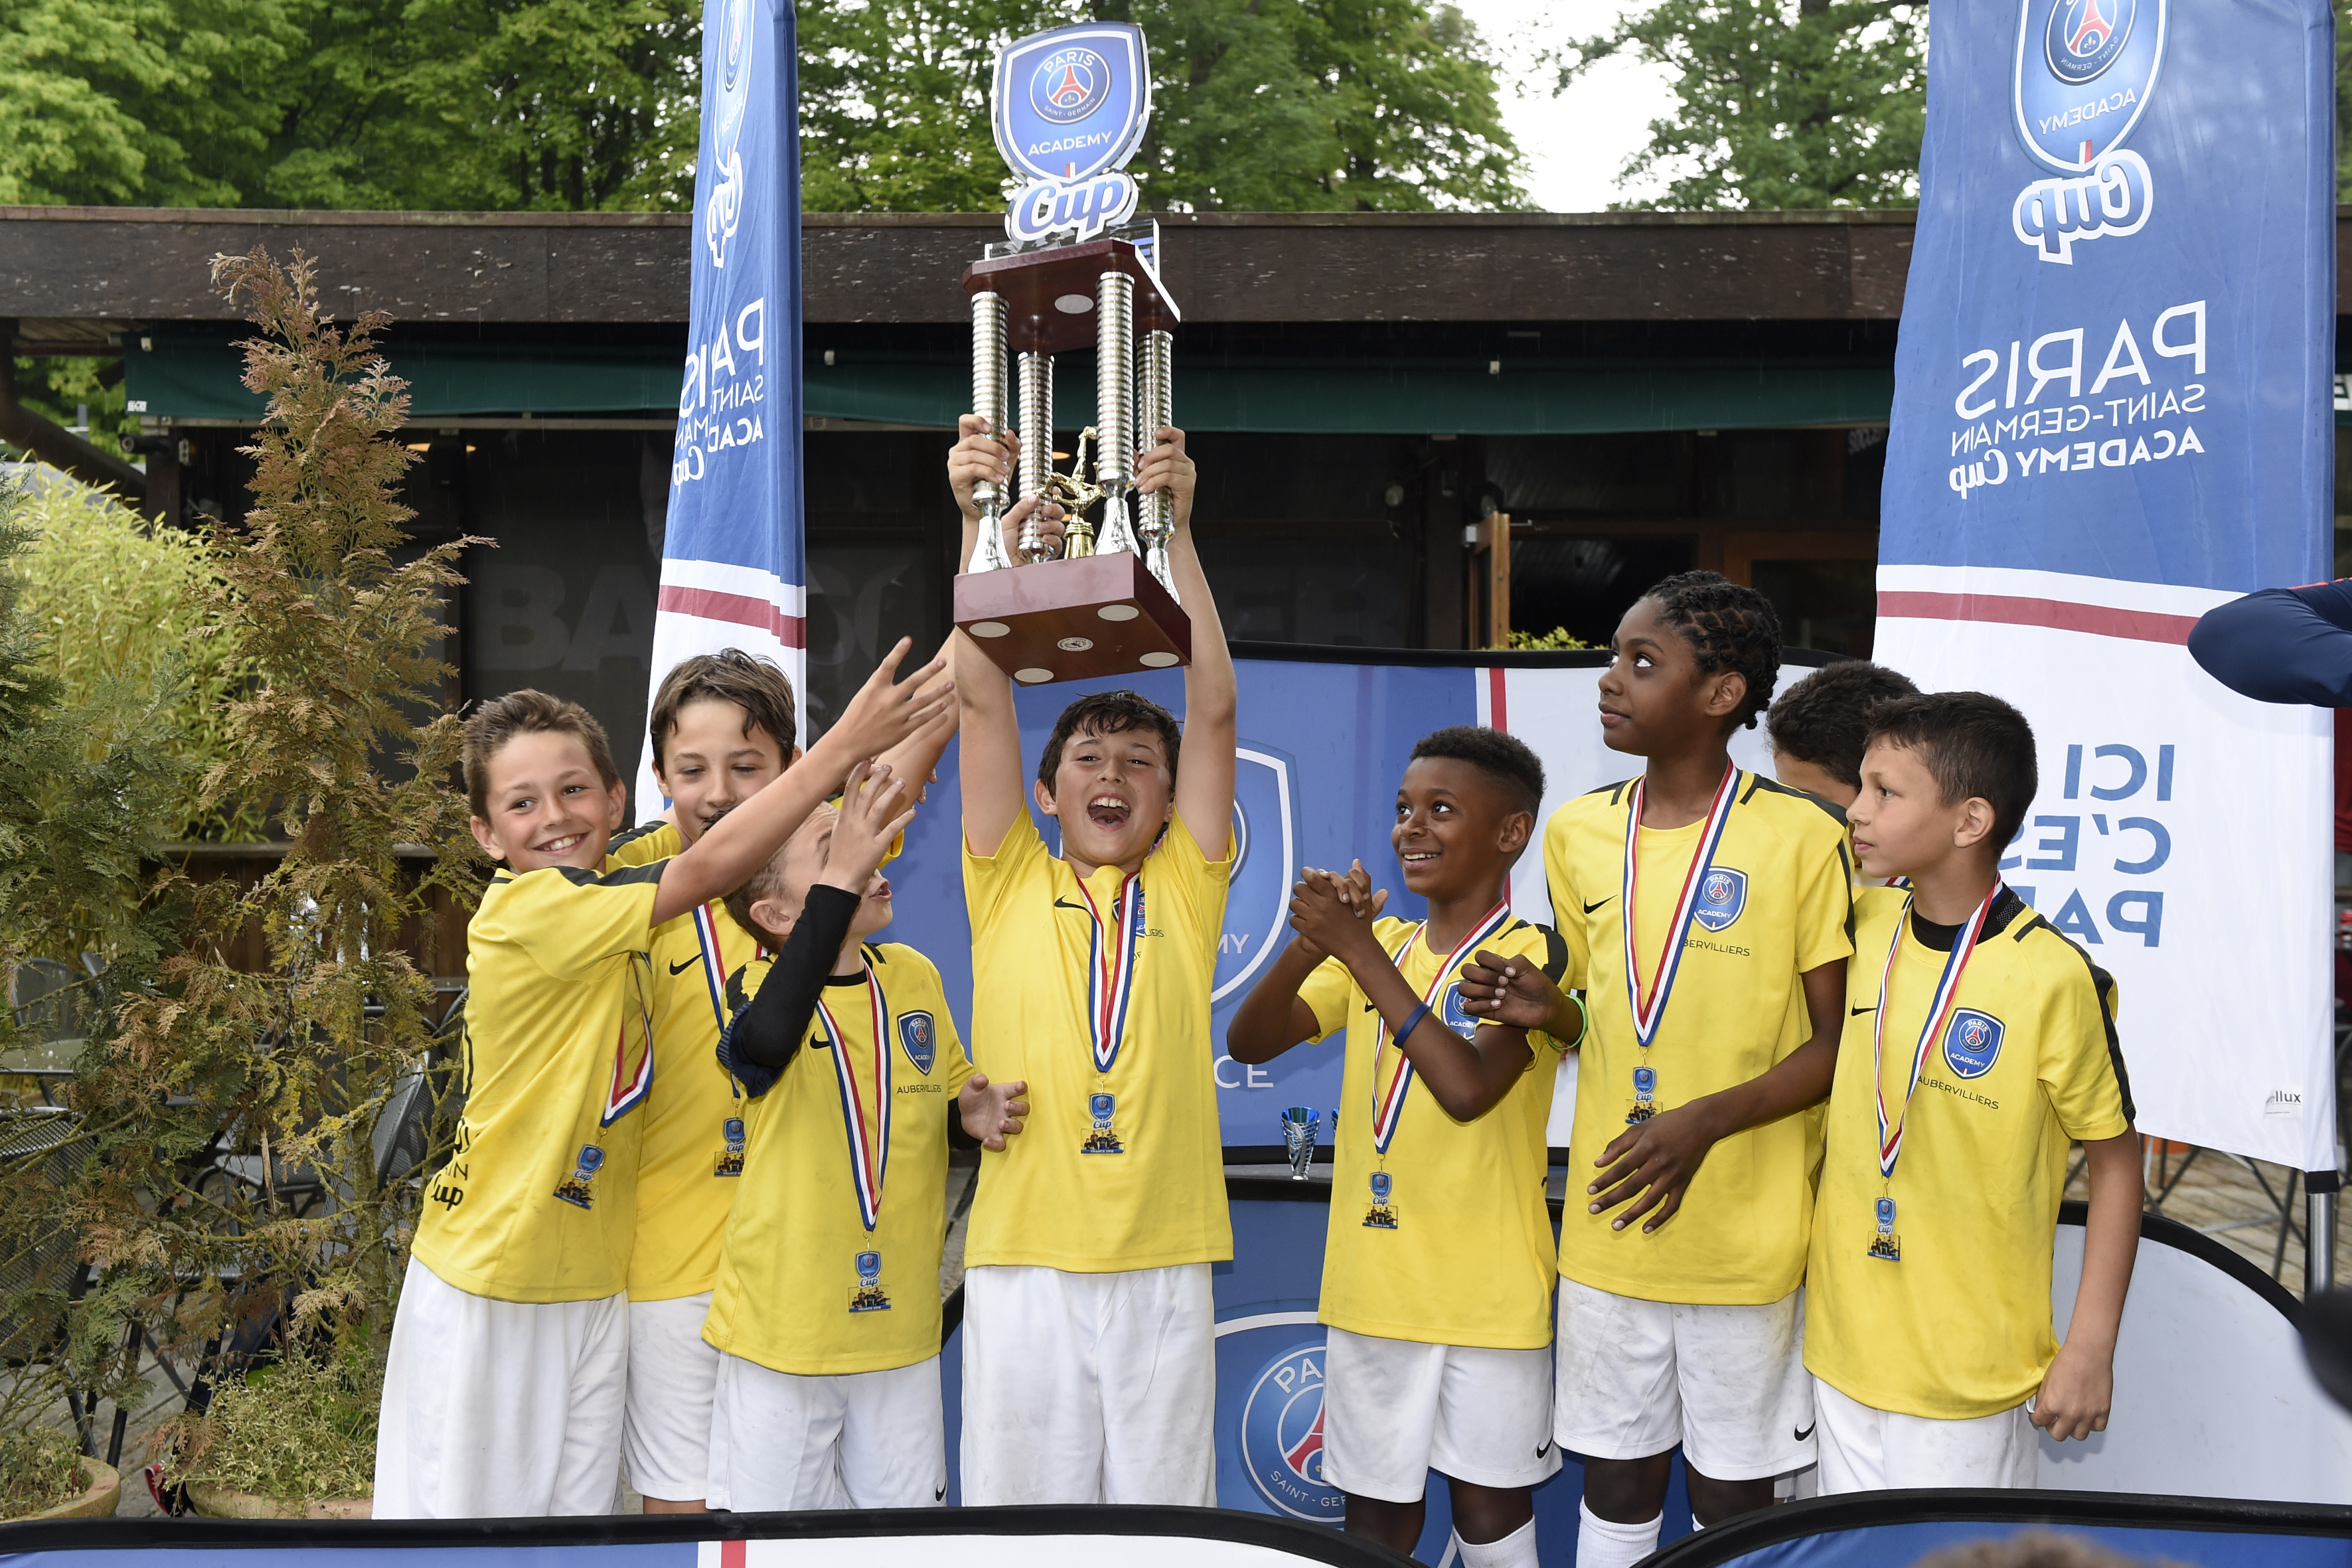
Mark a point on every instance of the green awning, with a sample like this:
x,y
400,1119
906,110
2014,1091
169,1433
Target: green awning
x,y
189,377
193,377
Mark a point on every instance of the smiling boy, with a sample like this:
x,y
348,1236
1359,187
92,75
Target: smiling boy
x,y
1439,1173
504,1390
1088,1360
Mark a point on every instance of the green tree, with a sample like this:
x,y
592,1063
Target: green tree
x,y
1274,105
1781,103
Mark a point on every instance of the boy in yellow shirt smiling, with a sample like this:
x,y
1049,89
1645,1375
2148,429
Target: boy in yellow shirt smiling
x,y
504,1390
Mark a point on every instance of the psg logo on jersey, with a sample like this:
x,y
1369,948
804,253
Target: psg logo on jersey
x,y
1456,1017
915,1036
1722,894
1282,1436
1971,1042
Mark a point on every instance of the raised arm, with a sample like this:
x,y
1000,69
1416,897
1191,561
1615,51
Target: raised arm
x,y
1205,779
883,714
2281,645
989,769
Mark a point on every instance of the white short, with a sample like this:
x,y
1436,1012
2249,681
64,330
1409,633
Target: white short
x,y
1394,1410
1728,1384
1868,1450
865,1439
1089,1387
499,1409
665,1438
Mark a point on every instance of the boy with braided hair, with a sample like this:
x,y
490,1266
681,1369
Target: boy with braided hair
x,y
1707,913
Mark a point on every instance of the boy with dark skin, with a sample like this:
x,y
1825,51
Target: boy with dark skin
x,y
1417,1376
1693,661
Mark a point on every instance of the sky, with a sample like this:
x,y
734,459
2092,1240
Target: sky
x,y
1576,141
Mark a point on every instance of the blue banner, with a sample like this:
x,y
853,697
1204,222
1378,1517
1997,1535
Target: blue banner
x,y
733,571
2112,413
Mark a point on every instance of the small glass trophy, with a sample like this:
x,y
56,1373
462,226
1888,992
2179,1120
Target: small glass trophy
x,y
1299,1125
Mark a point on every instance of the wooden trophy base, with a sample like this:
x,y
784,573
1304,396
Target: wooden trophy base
x,y
1073,620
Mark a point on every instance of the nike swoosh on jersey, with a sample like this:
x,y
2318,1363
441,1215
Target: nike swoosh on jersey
x,y
1589,907
1542,1451
1858,1012
1066,904
681,968
1806,1433
939,1494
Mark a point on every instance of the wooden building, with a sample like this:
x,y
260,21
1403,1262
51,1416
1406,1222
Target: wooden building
x,y
1636,394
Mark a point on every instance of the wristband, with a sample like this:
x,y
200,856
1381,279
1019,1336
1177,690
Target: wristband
x,y
1412,1022
1583,1027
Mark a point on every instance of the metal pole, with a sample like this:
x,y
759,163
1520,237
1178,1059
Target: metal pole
x,y
1036,447
1115,406
990,402
2320,1188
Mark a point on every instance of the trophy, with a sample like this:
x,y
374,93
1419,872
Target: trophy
x,y
1070,277
1299,1125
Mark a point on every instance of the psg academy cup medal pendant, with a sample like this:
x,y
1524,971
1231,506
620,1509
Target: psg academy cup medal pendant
x,y
1887,1246
1069,108
868,1295
1382,1216
574,1188
1645,1096
1102,1138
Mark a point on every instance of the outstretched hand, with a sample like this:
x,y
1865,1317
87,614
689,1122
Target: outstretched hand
x,y
1651,1164
993,1111
885,711
871,822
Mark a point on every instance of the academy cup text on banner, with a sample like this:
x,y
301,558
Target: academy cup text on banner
x,y
733,571
2112,413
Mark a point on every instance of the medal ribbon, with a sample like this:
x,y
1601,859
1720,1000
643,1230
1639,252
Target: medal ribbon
x,y
630,1087
1110,966
1948,992
1388,1105
714,963
869,1146
1650,1007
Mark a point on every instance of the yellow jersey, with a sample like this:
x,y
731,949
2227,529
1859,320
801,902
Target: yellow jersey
x,y
1957,1324
688,1163
804,1285
1775,903
1445,1238
1120,1164
539,1201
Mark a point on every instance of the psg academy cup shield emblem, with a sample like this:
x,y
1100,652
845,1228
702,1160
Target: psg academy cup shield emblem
x,y
1069,107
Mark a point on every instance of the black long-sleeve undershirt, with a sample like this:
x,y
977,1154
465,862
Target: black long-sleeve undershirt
x,y
765,1035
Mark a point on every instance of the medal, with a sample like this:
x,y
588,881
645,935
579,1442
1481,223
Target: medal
x,y
869,1146
1388,1104
868,1295
1645,1096
1113,945
1649,1007
1885,1244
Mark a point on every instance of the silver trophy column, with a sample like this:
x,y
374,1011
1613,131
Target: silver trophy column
x,y
1155,410
1036,447
988,401
1115,407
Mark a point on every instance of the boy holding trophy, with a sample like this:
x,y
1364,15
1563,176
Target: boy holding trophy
x,y
1088,1361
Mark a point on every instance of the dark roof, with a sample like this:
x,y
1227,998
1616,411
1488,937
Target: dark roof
x,y
64,269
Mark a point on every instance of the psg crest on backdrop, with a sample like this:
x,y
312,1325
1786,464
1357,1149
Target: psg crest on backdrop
x,y
1069,108
2085,70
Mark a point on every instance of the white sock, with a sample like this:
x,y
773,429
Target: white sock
x,y
1601,1544
1516,1549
